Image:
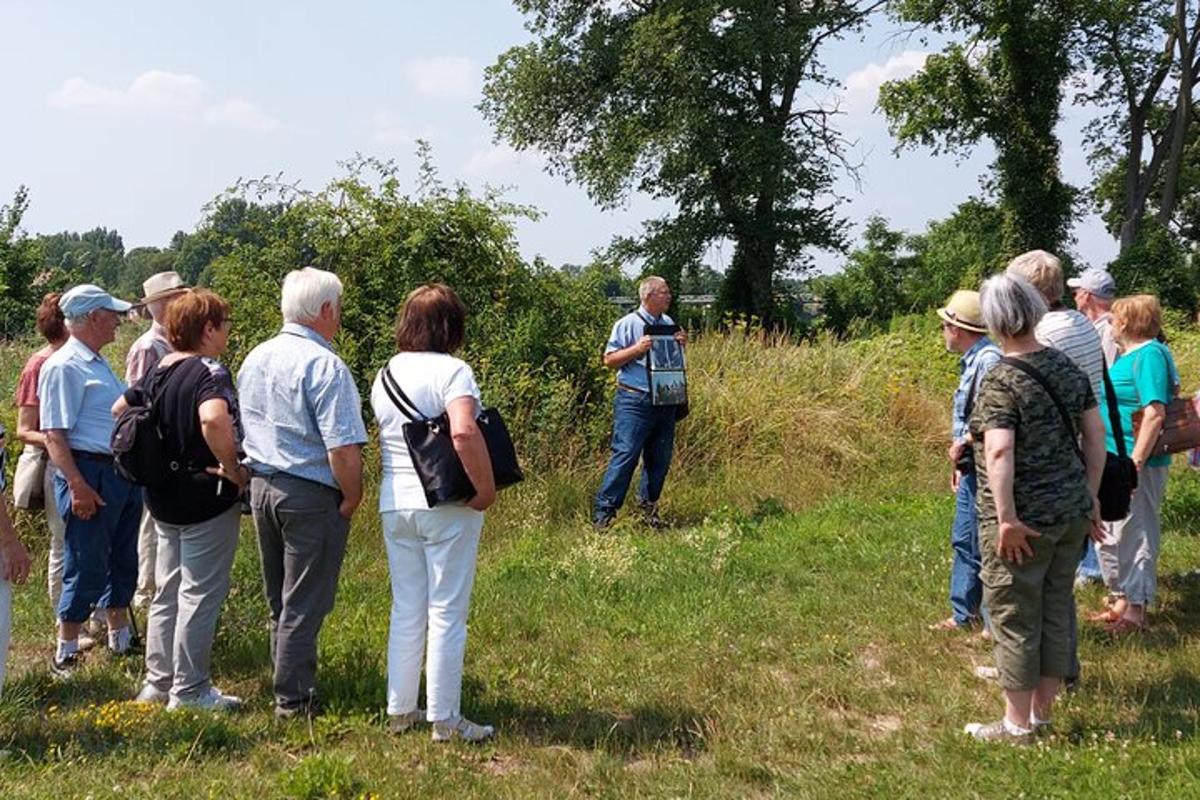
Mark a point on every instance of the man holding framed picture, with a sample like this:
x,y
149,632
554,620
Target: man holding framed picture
x,y
646,350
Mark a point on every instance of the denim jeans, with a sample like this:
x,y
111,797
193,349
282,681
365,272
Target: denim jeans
x,y
1089,567
100,559
966,590
643,430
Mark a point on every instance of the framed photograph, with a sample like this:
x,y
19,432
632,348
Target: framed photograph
x,y
665,366
668,387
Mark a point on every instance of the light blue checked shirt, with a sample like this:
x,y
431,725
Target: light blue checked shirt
x,y
973,365
627,331
76,392
298,402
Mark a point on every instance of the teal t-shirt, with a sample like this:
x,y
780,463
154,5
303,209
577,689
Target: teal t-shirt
x,y
1139,378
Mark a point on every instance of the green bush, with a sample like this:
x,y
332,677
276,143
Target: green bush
x,y
534,335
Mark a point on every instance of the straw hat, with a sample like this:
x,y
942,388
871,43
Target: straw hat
x,y
162,285
962,310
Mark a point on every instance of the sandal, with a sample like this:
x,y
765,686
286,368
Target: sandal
x,y
1107,617
1125,626
947,624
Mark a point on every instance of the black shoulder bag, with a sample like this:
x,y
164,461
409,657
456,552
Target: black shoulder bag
x,y
966,457
1120,474
432,450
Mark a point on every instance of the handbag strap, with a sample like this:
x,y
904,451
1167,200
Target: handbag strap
x,y
399,398
1114,417
1040,379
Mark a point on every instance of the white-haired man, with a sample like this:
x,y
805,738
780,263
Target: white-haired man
x,y
304,435
640,428
144,354
1094,291
77,389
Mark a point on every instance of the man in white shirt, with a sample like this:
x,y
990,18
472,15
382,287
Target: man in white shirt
x,y
1094,291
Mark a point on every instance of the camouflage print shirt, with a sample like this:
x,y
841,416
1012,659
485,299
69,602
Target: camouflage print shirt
x,y
1049,481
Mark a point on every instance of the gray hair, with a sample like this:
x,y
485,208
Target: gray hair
x,y
79,322
305,291
1043,270
1011,306
648,285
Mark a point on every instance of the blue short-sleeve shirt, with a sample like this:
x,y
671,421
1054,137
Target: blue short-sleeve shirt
x,y
298,401
626,332
76,392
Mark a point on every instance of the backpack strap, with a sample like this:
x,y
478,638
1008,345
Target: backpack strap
x,y
1040,379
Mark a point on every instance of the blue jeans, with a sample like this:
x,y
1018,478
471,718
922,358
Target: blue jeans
x,y
643,430
1089,567
100,562
966,590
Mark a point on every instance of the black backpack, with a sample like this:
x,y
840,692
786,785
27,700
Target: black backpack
x,y
142,454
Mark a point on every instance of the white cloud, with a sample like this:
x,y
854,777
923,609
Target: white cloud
x,y
444,77
237,112
392,129
499,161
862,85
161,92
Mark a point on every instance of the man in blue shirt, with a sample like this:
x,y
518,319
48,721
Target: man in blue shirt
x,y
640,428
77,389
304,435
963,332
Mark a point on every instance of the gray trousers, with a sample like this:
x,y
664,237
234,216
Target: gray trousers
x,y
1129,562
192,575
302,540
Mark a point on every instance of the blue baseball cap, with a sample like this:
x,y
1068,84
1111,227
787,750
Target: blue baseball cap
x,y
86,298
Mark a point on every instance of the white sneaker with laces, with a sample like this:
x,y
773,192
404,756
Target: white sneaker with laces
x,y
212,700
152,694
461,728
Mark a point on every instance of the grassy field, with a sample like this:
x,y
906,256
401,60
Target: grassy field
x,y
772,643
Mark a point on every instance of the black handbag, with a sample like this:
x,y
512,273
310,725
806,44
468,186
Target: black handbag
x,y
966,457
1120,473
432,450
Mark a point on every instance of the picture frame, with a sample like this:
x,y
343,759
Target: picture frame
x,y
666,367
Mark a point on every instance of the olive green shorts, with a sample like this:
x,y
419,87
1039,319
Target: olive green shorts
x,y
1032,604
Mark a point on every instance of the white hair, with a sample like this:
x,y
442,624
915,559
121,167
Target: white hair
x,y
305,291
1043,270
80,321
648,285
1011,306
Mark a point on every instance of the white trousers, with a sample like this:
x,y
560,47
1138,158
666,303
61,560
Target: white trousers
x,y
147,547
58,546
1129,562
431,556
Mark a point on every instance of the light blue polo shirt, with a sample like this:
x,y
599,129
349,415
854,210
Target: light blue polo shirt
x,y
627,331
298,402
76,392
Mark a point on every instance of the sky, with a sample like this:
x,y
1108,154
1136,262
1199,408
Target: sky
x,y
134,115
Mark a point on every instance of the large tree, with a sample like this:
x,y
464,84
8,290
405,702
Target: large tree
x,y
706,104
1002,82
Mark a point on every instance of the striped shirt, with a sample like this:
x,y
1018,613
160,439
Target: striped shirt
x,y
1072,333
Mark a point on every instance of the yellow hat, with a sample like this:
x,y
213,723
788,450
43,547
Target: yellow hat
x,y
962,310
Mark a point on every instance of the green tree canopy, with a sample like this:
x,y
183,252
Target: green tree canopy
x,y
701,103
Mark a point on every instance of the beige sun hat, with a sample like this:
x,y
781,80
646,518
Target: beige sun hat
x,y
962,310
162,285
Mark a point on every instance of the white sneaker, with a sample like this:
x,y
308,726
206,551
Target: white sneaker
x,y
212,700
153,695
461,728
399,723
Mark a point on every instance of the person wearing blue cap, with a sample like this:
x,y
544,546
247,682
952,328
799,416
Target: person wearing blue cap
x,y
76,391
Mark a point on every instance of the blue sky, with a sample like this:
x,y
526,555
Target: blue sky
x,y
133,115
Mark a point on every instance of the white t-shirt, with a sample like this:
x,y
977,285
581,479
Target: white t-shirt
x,y
1072,333
431,381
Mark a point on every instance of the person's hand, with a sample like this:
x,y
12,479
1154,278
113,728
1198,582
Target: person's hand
x,y
956,449
682,338
1013,542
955,479
15,559
240,477
347,508
1098,531
643,346
481,502
85,501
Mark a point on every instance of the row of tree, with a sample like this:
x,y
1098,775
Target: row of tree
x,y
709,105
